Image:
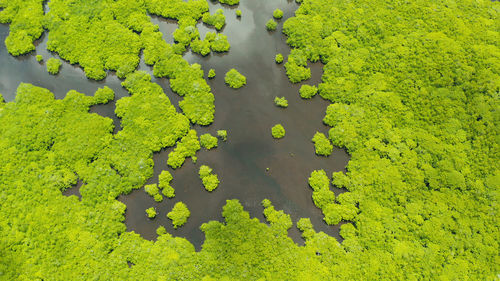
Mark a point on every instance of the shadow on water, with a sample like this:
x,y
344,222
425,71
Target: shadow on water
x,y
247,114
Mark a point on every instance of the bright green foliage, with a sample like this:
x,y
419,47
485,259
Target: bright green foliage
x,y
308,91
414,90
216,42
279,221
277,14
208,141
217,20
238,13
25,18
102,35
219,43
234,79
161,230
230,2
152,190
164,180
186,147
305,225
39,58
279,58
151,212
210,181
104,95
322,144
211,73
222,134
281,102
53,66
179,214
271,25
278,131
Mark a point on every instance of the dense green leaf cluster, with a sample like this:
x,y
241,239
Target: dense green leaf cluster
x,y
234,79
281,102
308,91
278,131
39,58
271,25
179,214
53,66
222,134
278,58
217,20
210,180
230,2
322,144
151,212
154,191
414,91
164,180
211,73
238,13
208,141
277,14
186,147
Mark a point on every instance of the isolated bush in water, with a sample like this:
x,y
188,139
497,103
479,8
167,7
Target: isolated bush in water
x,y
278,131
222,134
277,14
271,25
281,102
211,73
208,141
210,180
278,58
234,79
179,214
53,66
151,212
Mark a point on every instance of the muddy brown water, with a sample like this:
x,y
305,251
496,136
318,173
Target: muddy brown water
x,y
247,114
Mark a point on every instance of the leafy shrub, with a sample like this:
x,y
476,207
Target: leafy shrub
x,y
277,14
278,131
53,65
151,212
217,20
279,58
164,180
234,79
179,214
229,2
153,191
208,141
186,147
308,91
271,25
222,134
210,181
322,144
238,13
39,58
211,73
281,102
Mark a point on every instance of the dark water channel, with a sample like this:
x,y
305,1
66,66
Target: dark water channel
x,y
247,114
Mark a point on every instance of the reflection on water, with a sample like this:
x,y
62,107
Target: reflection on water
x,y
247,114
